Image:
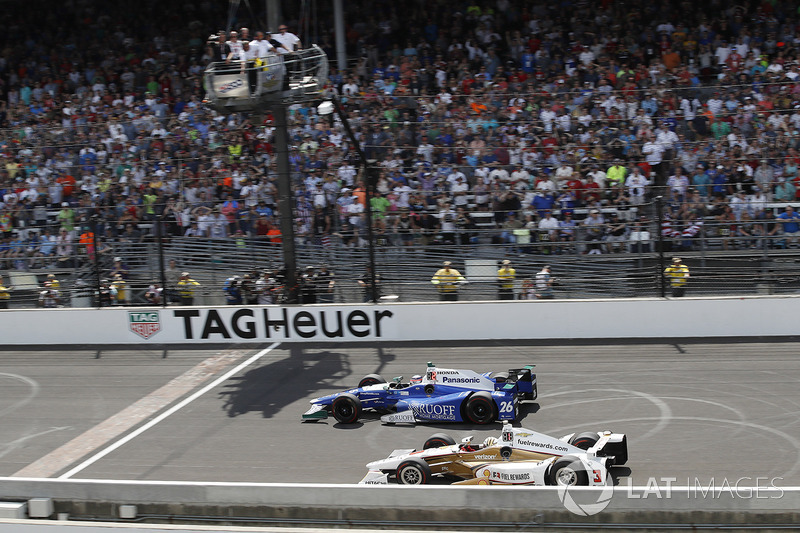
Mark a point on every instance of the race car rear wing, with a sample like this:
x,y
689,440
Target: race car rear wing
x,y
522,379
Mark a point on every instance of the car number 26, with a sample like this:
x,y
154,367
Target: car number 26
x,y
506,407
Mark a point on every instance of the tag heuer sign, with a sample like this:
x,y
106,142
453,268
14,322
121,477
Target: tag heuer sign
x,y
144,324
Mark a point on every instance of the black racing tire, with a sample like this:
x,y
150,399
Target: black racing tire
x,y
480,408
568,471
413,471
370,379
438,440
584,440
500,377
346,408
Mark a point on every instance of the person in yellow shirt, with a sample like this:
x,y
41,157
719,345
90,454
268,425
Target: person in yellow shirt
x,y
5,294
678,275
186,288
505,280
615,175
448,281
121,288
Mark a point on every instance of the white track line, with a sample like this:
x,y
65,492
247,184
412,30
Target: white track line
x,y
169,412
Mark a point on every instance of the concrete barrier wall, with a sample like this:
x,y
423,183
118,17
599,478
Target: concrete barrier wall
x,y
443,504
536,320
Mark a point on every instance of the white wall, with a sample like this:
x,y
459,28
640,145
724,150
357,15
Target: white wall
x,y
643,318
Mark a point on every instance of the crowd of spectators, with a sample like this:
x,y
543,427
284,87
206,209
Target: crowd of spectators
x,y
530,112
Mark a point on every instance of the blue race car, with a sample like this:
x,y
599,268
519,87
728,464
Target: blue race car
x,y
441,395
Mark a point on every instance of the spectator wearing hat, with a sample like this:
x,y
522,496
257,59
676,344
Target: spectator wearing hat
x,y
505,281
678,275
119,268
448,281
186,288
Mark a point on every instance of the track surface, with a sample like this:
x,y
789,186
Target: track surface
x,y
691,411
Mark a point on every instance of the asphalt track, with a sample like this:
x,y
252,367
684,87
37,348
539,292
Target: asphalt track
x,y
692,411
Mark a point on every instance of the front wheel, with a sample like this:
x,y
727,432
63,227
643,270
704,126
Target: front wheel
x,y
480,408
413,472
370,379
568,471
346,408
438,440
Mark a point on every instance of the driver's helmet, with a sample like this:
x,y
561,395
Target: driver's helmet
x,y
416,379
489,441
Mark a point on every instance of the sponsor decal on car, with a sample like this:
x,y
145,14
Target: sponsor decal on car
x,y
543,445
434,411
486,456
445,379
512,476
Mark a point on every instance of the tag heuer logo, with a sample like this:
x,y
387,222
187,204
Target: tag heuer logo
x,y
144,324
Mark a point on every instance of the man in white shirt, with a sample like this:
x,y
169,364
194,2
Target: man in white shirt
x,y
637,186
289,40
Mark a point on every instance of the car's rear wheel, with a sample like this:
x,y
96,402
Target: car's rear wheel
x,y
480,408
413,472
346,408
438,440
584,440
568,471
370,379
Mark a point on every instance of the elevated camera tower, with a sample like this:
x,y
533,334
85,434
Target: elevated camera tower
x,y
270,84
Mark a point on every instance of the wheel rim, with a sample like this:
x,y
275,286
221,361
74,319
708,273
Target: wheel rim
x,y
411,476
345,411
566,477
480,411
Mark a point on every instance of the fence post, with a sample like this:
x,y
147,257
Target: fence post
x,y
659,228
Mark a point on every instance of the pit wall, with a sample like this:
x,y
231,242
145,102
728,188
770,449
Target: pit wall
x,y
644,318
446,507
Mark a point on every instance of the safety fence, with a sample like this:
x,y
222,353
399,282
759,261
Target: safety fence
x,y
720,263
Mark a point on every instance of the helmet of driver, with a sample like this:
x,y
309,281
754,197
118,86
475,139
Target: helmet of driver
x,y
415,379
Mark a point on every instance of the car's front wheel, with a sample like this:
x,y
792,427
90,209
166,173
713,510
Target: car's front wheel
x,y
346,408
438,440
413,472
370,379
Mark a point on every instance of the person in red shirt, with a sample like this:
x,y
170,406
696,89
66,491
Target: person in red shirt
x,y
67,183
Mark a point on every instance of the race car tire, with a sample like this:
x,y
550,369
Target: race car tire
x,y
413,471
567,471
370,379
584,440
500,377
438,440
346,408
505,452
480,408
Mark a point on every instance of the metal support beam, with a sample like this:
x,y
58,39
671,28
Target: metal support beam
x,y
368,195
285,202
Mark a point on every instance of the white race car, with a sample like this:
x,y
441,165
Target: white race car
x,y
520,457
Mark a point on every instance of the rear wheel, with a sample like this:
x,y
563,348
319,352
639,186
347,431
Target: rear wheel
x,y
480,408
413,472
370,379
438,440
568,471
585,440
346,408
